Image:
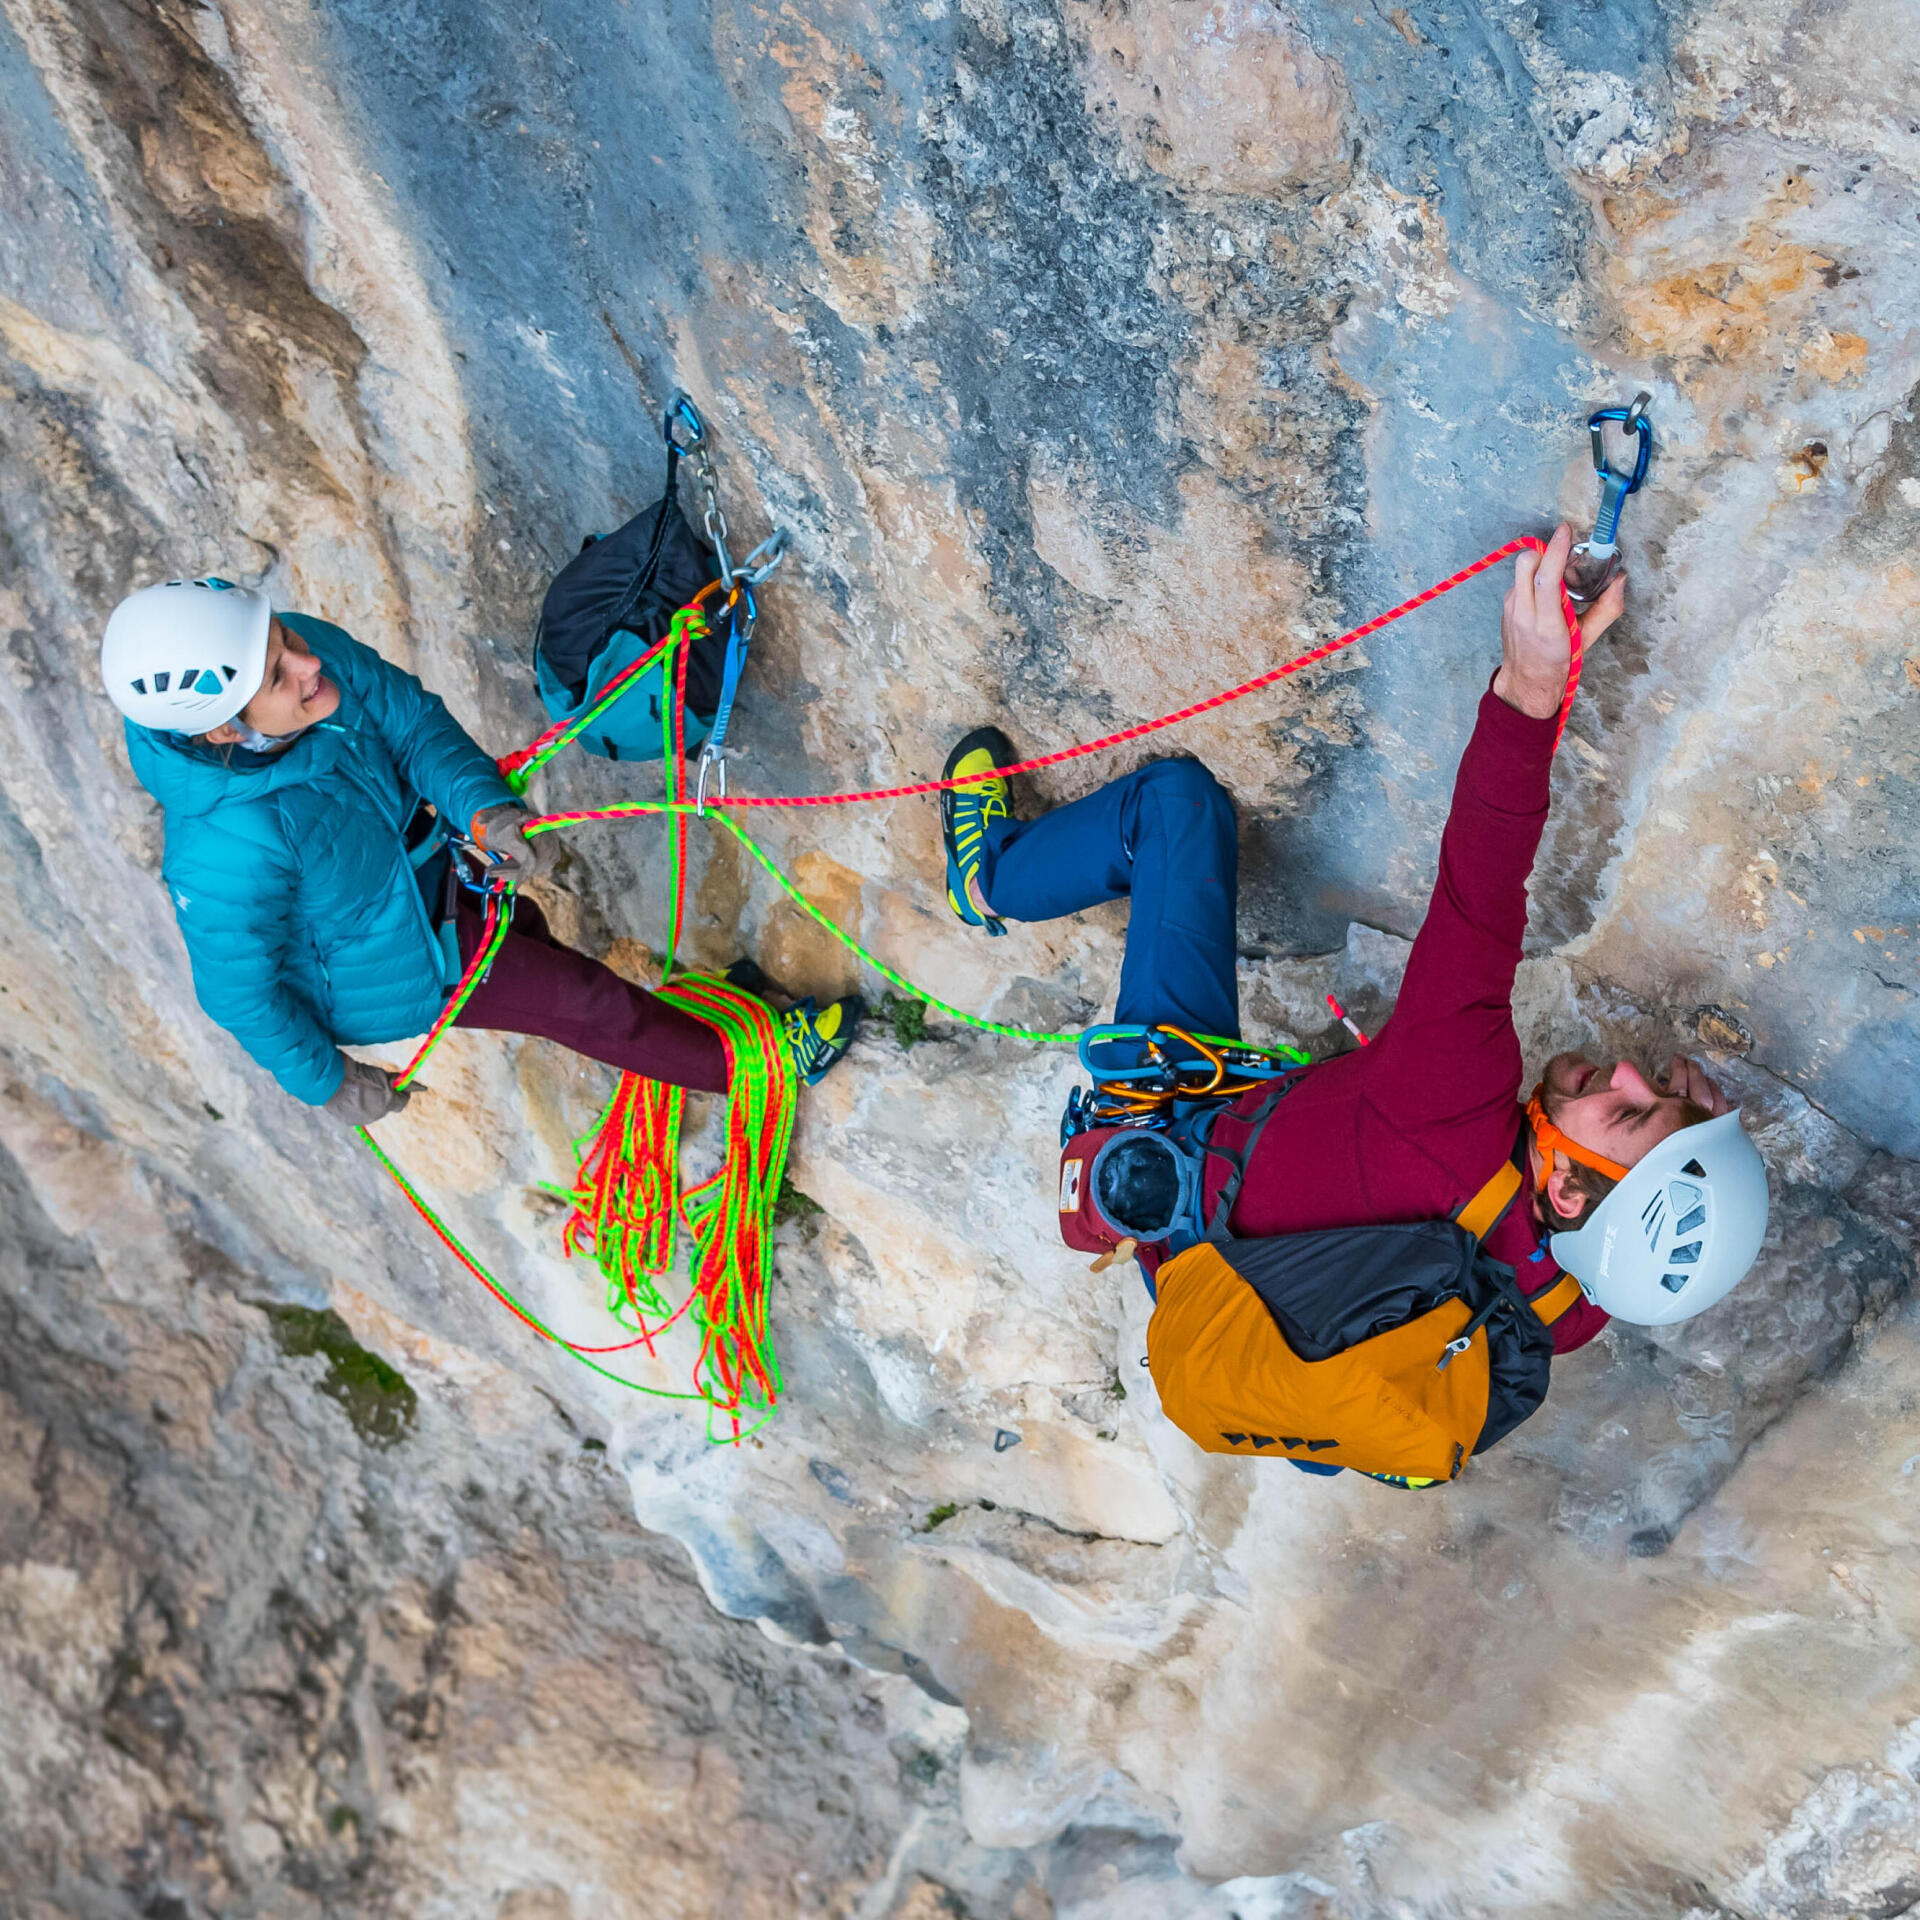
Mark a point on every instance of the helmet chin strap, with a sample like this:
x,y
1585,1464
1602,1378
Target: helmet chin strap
x,y
257,742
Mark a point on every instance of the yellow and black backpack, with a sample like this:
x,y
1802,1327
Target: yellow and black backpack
x,y
1399,1350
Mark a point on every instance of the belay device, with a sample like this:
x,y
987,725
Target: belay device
x,y
615,599
1593,563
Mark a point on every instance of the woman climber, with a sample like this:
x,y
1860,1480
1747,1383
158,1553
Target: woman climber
x,y
310,789
1409,1128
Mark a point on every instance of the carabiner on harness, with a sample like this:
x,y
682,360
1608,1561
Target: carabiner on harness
x,y
1593,563
1138,1069
485,876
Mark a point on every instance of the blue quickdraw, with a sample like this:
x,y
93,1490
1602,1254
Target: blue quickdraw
x,y
1593,563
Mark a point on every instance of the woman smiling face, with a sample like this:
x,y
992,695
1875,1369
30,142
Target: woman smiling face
x,y
294,692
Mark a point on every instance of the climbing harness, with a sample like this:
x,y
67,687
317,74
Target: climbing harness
x,y
1593,564
1140,1074
1134,1144
626,1206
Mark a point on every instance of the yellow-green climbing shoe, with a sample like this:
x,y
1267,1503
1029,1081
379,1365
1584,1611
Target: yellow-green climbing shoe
x,y
967,812
819,1037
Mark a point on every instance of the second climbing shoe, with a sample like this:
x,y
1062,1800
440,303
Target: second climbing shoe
x,y
967,812
819,1037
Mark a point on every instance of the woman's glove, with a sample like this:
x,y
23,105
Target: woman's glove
x,y
365,1094
502,831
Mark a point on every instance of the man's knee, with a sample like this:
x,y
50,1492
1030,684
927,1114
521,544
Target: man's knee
x,y
1191,783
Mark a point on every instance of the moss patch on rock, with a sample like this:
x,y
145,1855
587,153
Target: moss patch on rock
x,y
373,1395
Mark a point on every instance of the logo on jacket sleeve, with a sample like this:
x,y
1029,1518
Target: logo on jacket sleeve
x,y
181,901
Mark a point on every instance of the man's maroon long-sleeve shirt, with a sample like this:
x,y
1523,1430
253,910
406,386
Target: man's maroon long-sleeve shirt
x,y
1413,1125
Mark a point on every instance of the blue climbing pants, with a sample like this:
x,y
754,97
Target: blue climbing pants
x,y
1164,835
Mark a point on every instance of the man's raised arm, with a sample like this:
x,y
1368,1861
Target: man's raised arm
x,y
1452,1034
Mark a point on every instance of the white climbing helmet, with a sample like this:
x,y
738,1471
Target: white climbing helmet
x,y
186,655
1679,1232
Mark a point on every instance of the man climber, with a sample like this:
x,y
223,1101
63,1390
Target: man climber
x,y
310,791
1410,1127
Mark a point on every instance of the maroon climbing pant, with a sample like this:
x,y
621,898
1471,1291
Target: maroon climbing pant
x,y
538,986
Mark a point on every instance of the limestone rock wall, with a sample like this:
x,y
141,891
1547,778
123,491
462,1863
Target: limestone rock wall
x,y
1098,355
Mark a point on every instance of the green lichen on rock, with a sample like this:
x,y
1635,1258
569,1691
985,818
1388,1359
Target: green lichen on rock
x,y
907,1017
373,1395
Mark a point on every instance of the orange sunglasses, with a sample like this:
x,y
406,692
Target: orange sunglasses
x,y
1553,1141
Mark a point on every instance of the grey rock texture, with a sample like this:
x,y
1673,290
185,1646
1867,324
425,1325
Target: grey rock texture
x,y
1098,355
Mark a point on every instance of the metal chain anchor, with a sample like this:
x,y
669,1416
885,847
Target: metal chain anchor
x,y
686,432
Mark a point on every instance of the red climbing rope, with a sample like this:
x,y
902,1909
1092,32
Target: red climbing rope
x,y
1146,727
520,767
492,934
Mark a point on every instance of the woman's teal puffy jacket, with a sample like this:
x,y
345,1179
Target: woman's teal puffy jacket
x,y
290,880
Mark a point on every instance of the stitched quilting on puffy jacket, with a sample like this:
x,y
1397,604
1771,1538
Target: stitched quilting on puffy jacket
x,y
290,879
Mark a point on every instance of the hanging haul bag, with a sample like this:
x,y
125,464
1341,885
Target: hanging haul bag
x,y
1398,1350
612,602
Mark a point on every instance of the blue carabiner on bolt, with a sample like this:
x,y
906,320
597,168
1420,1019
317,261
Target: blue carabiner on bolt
x,y
1593,563
682,412
1614,485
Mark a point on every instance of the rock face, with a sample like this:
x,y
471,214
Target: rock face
x,y
1098,355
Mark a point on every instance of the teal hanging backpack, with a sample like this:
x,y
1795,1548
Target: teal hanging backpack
x,y
612,602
